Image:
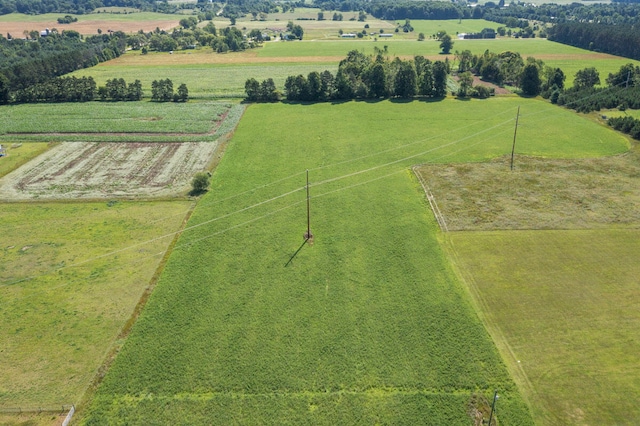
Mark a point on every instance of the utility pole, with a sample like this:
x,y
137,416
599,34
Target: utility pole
x,y
308,235
515,131
493,406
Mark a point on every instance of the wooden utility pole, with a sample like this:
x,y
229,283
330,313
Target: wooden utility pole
x,y
493,406
515,131
308,235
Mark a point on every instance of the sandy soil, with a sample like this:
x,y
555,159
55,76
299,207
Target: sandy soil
x,y
108,170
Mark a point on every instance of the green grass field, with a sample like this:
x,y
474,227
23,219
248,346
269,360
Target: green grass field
x,y
571,330
70,277
116,117
368,323
18,154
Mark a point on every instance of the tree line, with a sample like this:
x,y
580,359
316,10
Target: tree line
x,y
622,90
27,62
85,89
619,40
360,76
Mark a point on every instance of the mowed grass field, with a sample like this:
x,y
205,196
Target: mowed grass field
x,y
368,324
566,305
70,277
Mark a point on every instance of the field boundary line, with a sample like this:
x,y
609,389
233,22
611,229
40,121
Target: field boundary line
x,y
481,308
432,201
120,339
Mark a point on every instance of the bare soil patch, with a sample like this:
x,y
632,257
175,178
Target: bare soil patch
x,y
538,194
107,170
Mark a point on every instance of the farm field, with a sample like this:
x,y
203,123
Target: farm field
x,y
209,75
540,193
17,23
572,330
18,154
141,122
75,170
70,277
341,331
373,321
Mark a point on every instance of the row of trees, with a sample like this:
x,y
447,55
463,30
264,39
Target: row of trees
x,y
162,91
362,77
623,12
188,36
84,89
620,40
622,90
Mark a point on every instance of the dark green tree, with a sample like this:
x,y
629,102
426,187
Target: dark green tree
x,y
200,183
586,78
446,44
405,82
162,90
530,80
182,95
252,89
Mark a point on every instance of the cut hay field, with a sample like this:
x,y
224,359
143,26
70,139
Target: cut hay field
x,y
367,324
566,306
70,277
17,23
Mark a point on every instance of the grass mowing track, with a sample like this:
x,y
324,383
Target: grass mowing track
x,y
368,324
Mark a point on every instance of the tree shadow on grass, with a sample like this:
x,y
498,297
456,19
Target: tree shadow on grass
x,y
197,192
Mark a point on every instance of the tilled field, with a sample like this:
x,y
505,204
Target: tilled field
x,y
103,170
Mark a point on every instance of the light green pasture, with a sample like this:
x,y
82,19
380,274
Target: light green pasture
x,y
564,305
18,154
70,277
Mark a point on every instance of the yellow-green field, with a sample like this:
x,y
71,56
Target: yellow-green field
x,y
70,277
564,308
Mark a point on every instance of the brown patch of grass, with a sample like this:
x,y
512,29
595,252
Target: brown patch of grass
x,y
539,193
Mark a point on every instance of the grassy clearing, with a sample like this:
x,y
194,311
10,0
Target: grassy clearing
x,y
538,194
368,324
68,286
118,117
18,154
572,330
